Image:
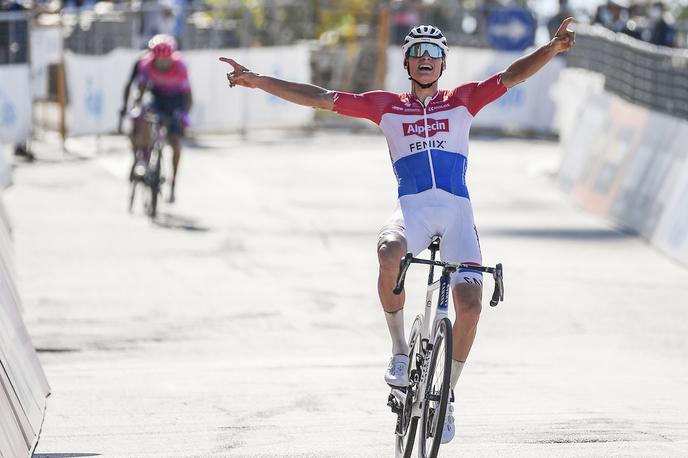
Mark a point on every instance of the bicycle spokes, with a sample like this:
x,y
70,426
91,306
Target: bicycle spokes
x,y
437,390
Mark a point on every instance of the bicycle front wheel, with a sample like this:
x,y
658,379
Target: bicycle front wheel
x,y
132,195
407,423
155,181
436,391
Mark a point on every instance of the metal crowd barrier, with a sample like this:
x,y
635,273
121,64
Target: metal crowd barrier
x,y
230,25
652,76
237,23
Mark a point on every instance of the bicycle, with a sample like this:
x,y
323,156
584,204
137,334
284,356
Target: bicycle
x,y
147,167
430,357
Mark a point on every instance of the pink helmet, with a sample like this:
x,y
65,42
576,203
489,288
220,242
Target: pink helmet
x,y
162,45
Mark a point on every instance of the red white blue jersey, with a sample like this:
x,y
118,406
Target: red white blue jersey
x,y
428,143
173,81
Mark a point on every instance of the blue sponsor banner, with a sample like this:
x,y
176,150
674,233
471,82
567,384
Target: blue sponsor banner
x,y
15,104
510,29
93,99
8,116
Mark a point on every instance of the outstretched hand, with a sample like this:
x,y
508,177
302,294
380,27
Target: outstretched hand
x,y
565,38
240,76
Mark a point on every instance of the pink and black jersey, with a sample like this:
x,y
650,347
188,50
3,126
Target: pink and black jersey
x,y
428,143
173,81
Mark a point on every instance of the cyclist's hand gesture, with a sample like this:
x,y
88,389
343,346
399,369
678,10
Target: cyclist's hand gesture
x,y
241,76
565,38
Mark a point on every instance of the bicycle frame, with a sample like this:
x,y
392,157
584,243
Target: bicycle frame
x,y
153,177
158,126
427,333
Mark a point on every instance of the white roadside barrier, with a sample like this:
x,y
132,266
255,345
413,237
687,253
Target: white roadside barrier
x,y
95,85
15,114
624,162
24,386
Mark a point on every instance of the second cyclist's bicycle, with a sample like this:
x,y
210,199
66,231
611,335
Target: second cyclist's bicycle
x,y
146,173
430,357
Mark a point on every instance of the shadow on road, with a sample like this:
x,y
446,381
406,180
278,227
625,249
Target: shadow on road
x,y
56,159
568,234
63,455
56,350
171,221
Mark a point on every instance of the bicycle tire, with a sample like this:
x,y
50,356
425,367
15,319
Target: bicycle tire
x,y
404,443
132,195
437,391
154,184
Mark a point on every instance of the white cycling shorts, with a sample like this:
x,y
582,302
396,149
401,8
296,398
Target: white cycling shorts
x,y
420,217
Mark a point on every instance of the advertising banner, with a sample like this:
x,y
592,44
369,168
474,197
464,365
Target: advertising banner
x,y
95,85
219,108
671,233
15,104
628,164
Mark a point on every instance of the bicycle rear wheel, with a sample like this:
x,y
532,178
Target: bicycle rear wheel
x,y
436,391
406,423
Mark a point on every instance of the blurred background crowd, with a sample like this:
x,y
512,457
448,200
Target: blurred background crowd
x,y
97,27
648,21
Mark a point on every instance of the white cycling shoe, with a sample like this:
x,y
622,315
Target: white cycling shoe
x,y
449,428
397,371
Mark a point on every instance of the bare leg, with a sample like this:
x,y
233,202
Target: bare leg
x,y
176,144
467,304
140,134
390,249
140,141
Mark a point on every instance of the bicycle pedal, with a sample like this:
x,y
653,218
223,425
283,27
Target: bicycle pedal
x,y
415,375
393,403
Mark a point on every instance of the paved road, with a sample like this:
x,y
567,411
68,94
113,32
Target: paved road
x,y
246,323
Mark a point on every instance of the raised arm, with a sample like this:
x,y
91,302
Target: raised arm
x,y
299,93
527,66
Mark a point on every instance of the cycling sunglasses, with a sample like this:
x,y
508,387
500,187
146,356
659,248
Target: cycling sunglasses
x,y
419,49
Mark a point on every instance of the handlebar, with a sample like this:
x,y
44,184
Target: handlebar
x,y
155,117
498,293
497,274
403,267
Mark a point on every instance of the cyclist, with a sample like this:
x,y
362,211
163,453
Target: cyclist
x,y
164,73
427,134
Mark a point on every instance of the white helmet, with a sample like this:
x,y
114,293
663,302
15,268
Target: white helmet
x,y
425,34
